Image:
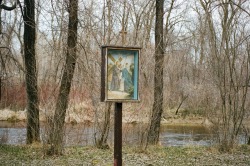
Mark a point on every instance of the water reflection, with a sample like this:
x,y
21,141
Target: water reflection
x,y
12,133
179,135
83,134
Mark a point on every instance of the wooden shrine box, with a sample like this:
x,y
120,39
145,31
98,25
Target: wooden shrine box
x,y
120,73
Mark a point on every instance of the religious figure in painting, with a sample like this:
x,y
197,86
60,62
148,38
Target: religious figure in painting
x,y
132,71
128,84
115,81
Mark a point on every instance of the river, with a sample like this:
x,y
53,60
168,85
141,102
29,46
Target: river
x,y
83,134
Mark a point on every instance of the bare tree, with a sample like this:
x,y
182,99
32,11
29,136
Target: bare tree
x,y
229,66
105,128
11,66
57,131
2,61
154,130
29,37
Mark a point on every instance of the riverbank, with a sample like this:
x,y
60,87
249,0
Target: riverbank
x,y
153,155
86,115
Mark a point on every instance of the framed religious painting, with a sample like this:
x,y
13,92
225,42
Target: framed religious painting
x,y
120,73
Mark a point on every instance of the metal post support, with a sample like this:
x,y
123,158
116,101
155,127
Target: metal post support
x,y
118,135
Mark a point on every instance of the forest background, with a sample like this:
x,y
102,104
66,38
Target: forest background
x,y
205,64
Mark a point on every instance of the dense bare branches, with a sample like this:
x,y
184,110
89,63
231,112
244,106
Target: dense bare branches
x,y
57,130
228,64
205,67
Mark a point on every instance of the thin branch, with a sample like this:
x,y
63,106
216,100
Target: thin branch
x,y
176,112
8,8
19,3
19,65
239,6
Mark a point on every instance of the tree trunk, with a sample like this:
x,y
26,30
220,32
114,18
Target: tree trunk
x,y
33,127
154,130
56,135
102,141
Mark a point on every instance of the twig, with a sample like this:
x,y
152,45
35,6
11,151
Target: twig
x,y
176,112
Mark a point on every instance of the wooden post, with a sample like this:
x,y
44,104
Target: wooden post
x,y
118,123
108,92
118,135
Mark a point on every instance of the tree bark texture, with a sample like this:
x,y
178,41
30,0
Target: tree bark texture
x,y
102,142
154,130
57,131
33,126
